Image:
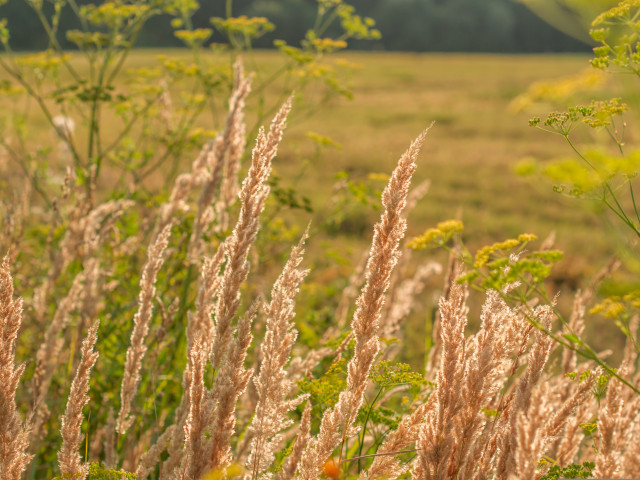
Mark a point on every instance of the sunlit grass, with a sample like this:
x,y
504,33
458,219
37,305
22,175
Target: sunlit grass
x,y
469,156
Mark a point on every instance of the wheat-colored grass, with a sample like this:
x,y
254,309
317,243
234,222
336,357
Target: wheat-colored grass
x,y
14,439
137,348
494,410
271,382
71,430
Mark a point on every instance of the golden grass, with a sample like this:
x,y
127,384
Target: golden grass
x,y
471,153
475,143
478,418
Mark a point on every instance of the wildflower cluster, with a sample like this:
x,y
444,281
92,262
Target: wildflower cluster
x,y
498,249
508,263
589,428
243,30
623,9
436,237
617,31
581,378
593,172
307,61
601,113
603,382
610,307
597,114
389,374
571,471
325,389
98,472
621,309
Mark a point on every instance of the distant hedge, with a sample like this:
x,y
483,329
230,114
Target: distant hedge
x,y
407,25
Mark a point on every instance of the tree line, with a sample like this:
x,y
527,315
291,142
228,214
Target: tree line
x,y
504,26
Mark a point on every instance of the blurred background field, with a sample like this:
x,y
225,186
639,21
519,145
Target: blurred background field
x,y
472,153
470,158
108,130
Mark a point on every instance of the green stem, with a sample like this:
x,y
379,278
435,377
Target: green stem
x,y
364,428
619,211
582,348
633,200
132,33
184,297
622,217
94,127
53,41
43,107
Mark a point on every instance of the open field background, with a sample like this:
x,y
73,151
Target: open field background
x,y
337,158
469,158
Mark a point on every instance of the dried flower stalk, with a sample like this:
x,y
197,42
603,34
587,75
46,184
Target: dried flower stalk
x,y
69,455
435,443
137,349
231,140
14,438
151,457
253,196
304,434
230,383
272,384
337,422
608,459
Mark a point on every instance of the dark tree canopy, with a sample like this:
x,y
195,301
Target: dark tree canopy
x,y
407,25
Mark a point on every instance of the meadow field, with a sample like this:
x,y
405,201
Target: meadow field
x,y
476,144
472,153
470,157
332,171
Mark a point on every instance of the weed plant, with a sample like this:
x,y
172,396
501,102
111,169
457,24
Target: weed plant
x,y
156,350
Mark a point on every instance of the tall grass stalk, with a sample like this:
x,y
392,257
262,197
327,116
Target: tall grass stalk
x,y
494,407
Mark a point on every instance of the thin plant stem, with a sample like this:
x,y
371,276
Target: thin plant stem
x,y
371,455
620,212
582,348
364,427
